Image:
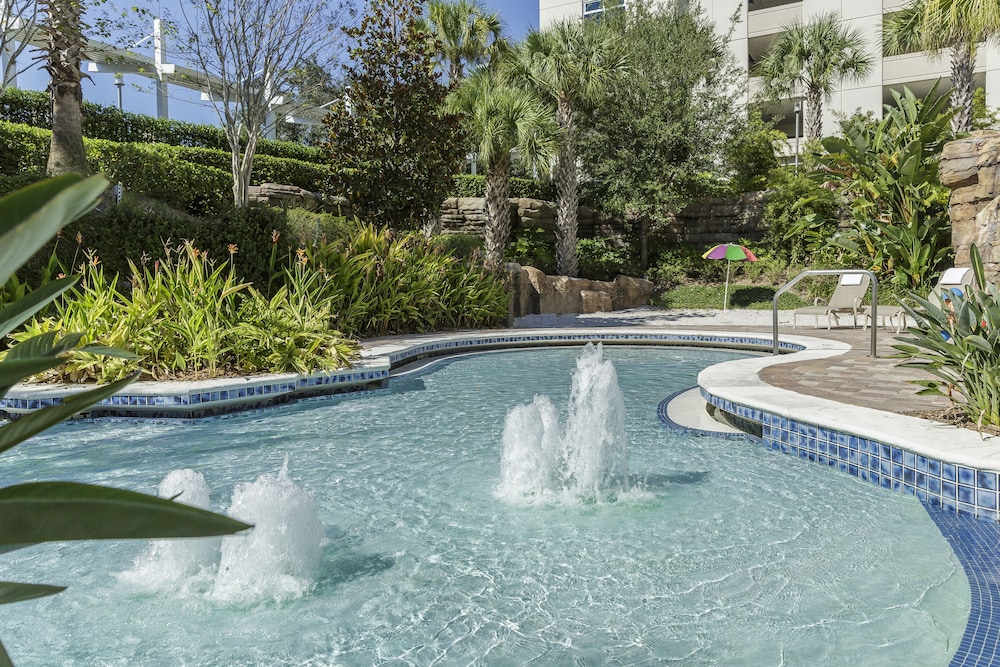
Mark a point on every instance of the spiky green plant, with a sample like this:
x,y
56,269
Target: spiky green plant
x,y
957,341
37,512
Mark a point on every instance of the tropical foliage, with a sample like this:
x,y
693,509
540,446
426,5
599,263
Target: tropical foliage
x,y
570,65
956,26
814,57
37,512
393,147
467,35
957,341
504,120
887,173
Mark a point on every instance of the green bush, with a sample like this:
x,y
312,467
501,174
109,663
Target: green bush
x,y
138,228
957,341
188,178
312,228
601,260
23,148
150,170
380,283
474,185
533,247
106,122
462,246
185,315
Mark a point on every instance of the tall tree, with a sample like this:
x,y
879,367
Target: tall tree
x,y
665,123
570,65
467,33
252,49
956,26
817,56
65,42
393,147
503,121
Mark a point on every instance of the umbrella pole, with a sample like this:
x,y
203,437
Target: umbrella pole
x,y
725,297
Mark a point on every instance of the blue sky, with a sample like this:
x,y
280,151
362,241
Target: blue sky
x,y
519,16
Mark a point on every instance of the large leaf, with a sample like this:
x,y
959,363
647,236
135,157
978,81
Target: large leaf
x,y
54,511
24,427
13,315
14,592
32,215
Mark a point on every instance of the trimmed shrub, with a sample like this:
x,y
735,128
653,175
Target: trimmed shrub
x,y
137,229
474,185
106,122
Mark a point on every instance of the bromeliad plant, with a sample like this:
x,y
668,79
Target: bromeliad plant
x,y
957,341
37,512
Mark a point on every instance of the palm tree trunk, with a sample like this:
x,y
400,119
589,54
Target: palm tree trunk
x,y
814,115
566,198
962,63
65,42
497,211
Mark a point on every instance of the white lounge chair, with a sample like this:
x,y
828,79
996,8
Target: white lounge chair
x,y
846,298
956,278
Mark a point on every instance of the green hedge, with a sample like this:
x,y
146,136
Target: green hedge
x,y
106,122
138,228
469,185
188,178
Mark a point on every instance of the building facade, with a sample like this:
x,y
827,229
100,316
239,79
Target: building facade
x,y
760,21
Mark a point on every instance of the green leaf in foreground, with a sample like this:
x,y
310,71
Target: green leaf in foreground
x,y
54,511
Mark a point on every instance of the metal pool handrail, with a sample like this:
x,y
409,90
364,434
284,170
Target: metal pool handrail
x,y
825,272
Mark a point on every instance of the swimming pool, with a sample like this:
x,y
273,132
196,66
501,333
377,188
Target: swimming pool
x,y
724,553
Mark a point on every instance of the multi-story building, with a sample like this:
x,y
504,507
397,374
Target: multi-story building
x,y
760,21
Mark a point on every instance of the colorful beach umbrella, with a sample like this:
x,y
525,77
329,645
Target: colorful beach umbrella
x,y
730,252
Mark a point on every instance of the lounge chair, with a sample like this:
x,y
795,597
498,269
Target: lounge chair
x,y
956,278
847,298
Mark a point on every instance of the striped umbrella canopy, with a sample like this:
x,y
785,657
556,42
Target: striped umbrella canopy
x,y
730,252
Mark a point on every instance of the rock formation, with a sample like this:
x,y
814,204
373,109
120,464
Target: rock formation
x,y
536,293
969,167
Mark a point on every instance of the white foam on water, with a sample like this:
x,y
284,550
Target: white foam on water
x,y
179,564
587,460
279,557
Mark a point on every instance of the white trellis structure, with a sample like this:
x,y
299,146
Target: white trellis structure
x,y
107,59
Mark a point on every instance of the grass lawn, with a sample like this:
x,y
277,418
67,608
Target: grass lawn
x,y
753,297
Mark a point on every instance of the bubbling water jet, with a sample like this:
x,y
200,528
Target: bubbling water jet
x,y
586,459
280,556
166,564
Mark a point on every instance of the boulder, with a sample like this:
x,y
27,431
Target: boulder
x,y
971,168
536,293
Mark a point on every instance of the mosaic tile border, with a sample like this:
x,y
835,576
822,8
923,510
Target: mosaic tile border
x,y
664,417
199,399
451,346
938,483
194,400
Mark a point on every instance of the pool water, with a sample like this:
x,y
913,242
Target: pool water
x,y
723,553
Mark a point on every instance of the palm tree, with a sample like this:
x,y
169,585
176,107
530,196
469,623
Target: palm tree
x,y
570,66
65,43
958,26
503,120
467,33
816,57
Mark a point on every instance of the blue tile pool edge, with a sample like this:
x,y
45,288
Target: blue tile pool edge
x,y
193,400
961,500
